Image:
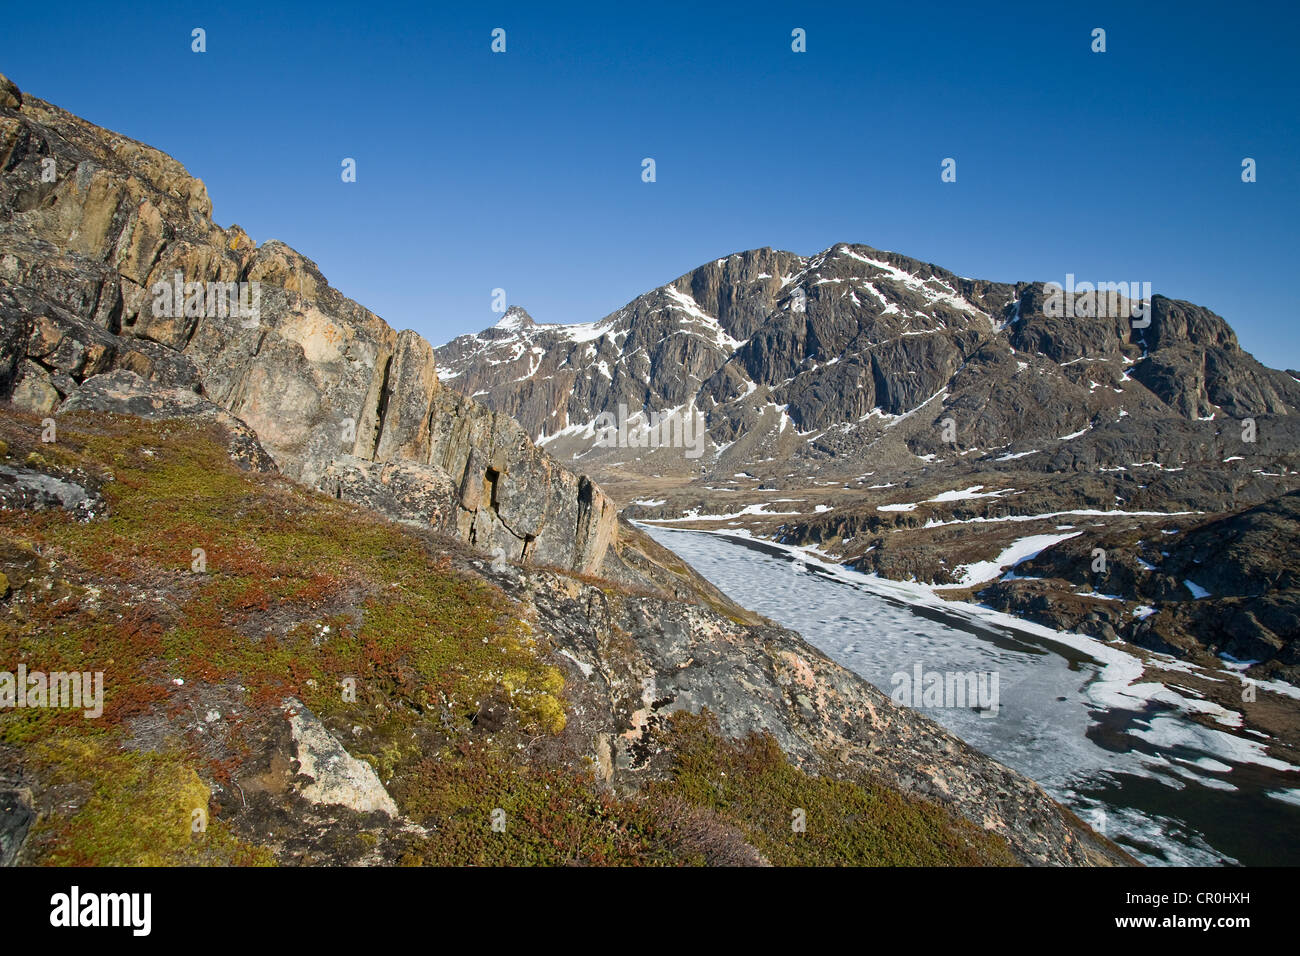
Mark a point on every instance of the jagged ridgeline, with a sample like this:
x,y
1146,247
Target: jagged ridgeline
x,y
345,615
856,356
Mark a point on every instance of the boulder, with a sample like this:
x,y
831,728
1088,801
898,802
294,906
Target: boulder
x,y
16,818
124,392
325,773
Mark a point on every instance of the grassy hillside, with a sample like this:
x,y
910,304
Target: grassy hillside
x,y
195,581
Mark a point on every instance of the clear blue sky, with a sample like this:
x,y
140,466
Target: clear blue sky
x,y
523,170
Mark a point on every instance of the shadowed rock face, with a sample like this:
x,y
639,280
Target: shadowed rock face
x,y
104,243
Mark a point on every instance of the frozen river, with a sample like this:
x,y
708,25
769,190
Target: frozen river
x,y
1074,714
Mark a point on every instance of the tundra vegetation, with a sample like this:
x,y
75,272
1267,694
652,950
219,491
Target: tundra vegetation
x,y
459,706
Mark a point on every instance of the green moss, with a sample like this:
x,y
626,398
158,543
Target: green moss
x,y
428,647
272,550
130,809
545,816
845,821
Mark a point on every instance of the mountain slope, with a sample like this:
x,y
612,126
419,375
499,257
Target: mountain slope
x,y
821,358
332,688
922,426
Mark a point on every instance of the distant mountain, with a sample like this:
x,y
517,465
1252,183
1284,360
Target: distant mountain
x,y
822,358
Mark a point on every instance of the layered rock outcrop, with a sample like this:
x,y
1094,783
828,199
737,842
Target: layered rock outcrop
x,y
110,262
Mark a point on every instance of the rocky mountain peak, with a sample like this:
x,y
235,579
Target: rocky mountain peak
x,y
10,96
514,320
820,357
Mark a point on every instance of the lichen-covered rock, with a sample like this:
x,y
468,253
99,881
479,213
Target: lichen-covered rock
x,y
30,489
328,773
16,819
125,392
34,389
409,492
